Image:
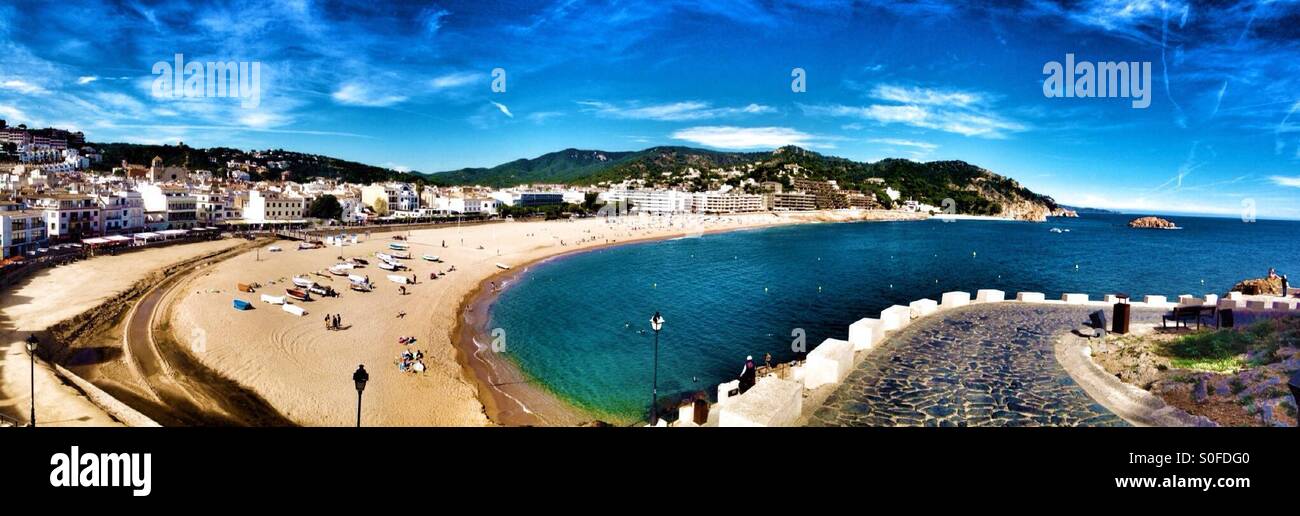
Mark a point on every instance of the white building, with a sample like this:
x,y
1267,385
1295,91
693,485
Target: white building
x,y
21,230
215,208
121,212
272,206
718,202
69,216
652,201
169,207
396,196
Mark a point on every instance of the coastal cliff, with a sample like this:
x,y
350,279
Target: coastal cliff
x,y
1151,223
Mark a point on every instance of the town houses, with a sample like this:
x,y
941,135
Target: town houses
x,y
56,190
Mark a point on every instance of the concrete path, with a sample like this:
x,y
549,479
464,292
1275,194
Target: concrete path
x,y
981,365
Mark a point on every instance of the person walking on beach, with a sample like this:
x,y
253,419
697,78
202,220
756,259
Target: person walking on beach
x,y
327,322
338,321
747,374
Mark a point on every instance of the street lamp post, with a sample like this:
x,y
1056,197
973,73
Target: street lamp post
x,y
360,377
656,323
32,343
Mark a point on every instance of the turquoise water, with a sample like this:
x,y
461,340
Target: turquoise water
x,y
573,323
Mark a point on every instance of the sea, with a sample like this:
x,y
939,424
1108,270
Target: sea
x,y
579,326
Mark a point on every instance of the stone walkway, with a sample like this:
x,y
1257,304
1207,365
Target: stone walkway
x,y
981,365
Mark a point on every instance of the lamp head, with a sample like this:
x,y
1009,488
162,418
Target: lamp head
x,y
32,343
657,322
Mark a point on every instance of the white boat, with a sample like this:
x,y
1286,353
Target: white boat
x,y
274,249
303,282
398,247
388,266
356,278
404,256
341,269
384,257
503,266
397,278
430,257
275,300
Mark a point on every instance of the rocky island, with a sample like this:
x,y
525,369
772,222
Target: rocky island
x,y
1151,223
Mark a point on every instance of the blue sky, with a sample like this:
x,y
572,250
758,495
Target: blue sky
x,y
409,86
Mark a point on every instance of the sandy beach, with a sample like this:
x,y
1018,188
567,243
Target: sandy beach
x,y
57,294
304,369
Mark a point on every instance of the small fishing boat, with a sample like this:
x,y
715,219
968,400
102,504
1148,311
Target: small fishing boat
x,y
430,258
403,255
240,304
360,287
384,257
244,287
322,291
399,279
308,245
274,249
503,266
359,260
298,294
357,279
398,247
388,266
338,270
303,282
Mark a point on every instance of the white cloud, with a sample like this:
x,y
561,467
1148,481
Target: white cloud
x,y
542,116
728,137
455,80
22,86
672,112
87,79
14,115
926,96
504,110
898,142
1292,181
355,94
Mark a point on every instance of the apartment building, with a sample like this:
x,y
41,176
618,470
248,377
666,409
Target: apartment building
x,y
272,206
651,201
69,216
169,207
21,229
396,197
719,202
121,212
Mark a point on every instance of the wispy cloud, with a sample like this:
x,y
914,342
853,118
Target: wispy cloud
x,y
456,80
22,86
356,94
503,109
898,142
729,137
1291,181
685,111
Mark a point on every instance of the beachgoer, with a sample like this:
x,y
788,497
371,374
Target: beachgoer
x,y
768,360
747,374
1285,285
338,321
327,322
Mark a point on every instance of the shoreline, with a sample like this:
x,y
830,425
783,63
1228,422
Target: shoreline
x,y
505,398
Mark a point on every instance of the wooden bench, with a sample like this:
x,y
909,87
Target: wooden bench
x,y
1183,314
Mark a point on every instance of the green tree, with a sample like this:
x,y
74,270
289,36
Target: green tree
x,y
325,207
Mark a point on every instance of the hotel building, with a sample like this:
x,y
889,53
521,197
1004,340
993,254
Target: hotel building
x,y
718,202
272,206
169,207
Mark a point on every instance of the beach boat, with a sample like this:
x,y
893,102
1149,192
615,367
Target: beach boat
x,y
399,279
339,270
275,300
388,266
357,279
430,257
308,245
503,266
404,256
322,291
360,287
361,261
384,257
240,304
303,282
298,294
398,247
244,287
274,249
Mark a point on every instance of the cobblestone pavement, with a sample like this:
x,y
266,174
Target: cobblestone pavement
x,y
981,365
